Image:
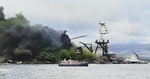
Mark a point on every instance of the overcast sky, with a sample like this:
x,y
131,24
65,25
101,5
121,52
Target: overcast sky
x,y
126,20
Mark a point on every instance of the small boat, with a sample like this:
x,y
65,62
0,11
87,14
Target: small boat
x,y
72,63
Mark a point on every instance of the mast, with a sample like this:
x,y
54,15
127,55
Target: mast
x,y
102,42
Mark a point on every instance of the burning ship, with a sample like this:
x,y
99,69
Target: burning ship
x,y
105,57
102,44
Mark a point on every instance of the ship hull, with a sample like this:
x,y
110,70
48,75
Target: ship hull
x,y
82,64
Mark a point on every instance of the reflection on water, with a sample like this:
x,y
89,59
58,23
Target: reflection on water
x,y
93,71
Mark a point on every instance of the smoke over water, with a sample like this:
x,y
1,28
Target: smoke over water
x,y
17,36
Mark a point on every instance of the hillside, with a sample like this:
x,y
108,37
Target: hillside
x,y
142,49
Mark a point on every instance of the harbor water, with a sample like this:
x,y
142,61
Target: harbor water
x,y
93,71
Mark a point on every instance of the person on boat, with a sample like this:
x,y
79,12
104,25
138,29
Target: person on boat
x,y
65,40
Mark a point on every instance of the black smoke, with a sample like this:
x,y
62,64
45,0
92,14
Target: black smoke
x,y
20,41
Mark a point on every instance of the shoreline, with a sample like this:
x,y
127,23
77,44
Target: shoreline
x,y
52,63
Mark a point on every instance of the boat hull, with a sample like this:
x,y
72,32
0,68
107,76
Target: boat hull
x,y
82,64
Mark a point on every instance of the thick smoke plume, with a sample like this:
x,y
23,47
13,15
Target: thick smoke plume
x,y
20,41
18,37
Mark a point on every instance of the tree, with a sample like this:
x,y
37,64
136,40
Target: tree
x,y
22,54
65,54
2,16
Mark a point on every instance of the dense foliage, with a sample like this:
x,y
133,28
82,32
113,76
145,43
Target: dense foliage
x,y
65,54
19,41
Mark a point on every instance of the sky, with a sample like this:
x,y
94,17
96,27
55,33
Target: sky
x,y
127,20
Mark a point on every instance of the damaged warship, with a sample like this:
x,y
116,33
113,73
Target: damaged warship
x,y
105,57
102,44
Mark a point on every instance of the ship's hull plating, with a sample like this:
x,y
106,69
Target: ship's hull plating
x,y
82,64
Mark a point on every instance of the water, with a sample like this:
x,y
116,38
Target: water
x,y
93,71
